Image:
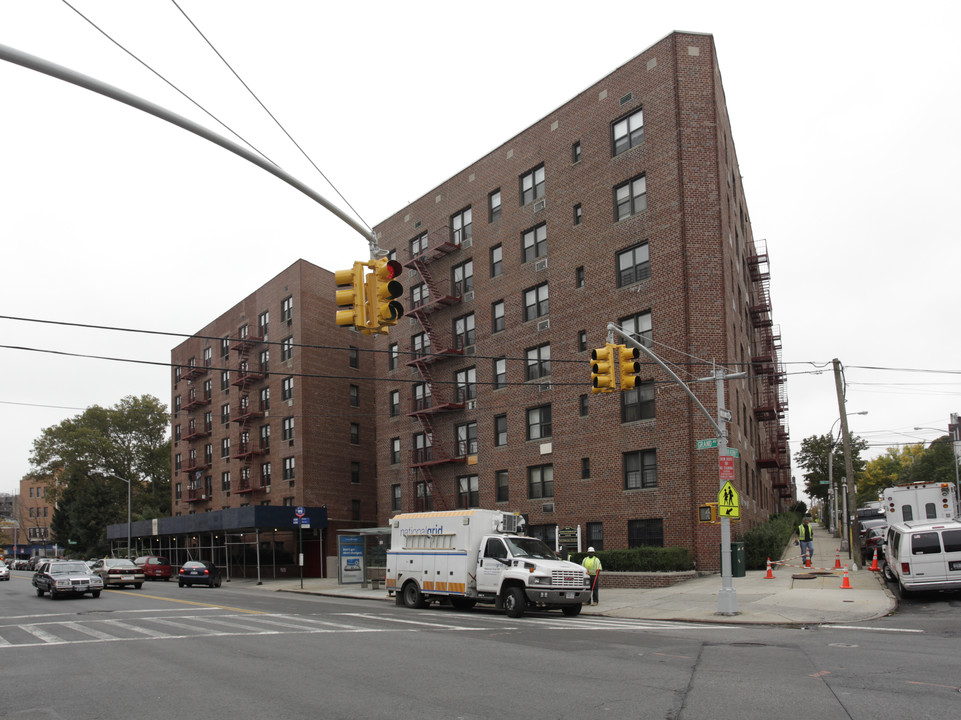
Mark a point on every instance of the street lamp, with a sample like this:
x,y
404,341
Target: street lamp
x,y
954,445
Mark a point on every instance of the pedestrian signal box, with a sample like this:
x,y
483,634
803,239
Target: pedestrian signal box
x,y
707,513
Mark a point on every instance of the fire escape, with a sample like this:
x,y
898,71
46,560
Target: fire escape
x,y
247,377
428,351
197,429
770,389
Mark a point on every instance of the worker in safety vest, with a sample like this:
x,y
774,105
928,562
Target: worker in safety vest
x,y
593,566
805,537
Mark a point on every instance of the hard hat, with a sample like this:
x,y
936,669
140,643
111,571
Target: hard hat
x,y
590,549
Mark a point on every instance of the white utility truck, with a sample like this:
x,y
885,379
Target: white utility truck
x,y
920,501
479,556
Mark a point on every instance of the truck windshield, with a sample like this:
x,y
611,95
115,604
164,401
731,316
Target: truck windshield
x,y
530,547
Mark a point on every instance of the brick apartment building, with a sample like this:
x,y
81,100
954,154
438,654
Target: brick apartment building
x,y
626,205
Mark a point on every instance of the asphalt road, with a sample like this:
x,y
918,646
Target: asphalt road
x,y
243,652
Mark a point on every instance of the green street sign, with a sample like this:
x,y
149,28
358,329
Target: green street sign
x,y
733,452
706,444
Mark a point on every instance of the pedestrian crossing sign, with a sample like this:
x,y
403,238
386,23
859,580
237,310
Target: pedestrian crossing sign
x,y
728,502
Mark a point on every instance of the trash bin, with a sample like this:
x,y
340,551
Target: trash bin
x,y
738,559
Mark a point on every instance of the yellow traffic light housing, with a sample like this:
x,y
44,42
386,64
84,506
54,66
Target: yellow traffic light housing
x,y
603,378
630,367
350,292
383,310
707,513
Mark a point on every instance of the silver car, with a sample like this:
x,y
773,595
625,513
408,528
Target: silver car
x,y
4,571
62,578
117,571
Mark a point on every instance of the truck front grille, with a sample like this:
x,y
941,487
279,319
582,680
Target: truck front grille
x,y
567,578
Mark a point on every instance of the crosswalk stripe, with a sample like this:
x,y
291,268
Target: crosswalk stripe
x,y
133,628
40,634
89,631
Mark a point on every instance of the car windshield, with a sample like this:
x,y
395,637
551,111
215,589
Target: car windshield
x,y
530,547
158,561
68,567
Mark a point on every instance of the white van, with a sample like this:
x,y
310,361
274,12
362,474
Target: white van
x,y
925,555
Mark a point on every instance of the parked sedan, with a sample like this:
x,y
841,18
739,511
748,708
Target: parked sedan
x,y
873,540
4,571
62,578
199,572
154,566
116,571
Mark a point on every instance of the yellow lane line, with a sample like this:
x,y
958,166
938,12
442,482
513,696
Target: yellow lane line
x,y
187,602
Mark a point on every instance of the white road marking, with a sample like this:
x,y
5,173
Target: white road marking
x,y
871,629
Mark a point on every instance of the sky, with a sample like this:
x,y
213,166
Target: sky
x,y
845,119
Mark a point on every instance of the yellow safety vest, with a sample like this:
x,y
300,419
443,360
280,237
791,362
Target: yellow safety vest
x,y
592,564
805,533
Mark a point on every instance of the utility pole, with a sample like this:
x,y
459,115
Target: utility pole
x,y
849,537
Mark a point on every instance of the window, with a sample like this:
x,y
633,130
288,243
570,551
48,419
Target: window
x,y
583,405
394,450
354,396
581,340
633,265
463,278
225,447
500,373
225,414
393,356
466,439
355,509
502,489
640,470
628,132
576,152
638,402
539,422
419,295
287,389
468,492
497,260
497,316
225,481
264,361
595,535
500,430
287,309
466,382
464,331
287,429
178,494
208,357
423,448
355,472
420,345
265,474
395,497
645,532
265,437
539,362
630,198
534,243
354,434
353,357
578,214
225,379
460,226
265,399
639,327
288,468
579,277
393,403
286,348
177,435
208,389
225,346
536,302
585,468
540,482
532,185
263,320
494,205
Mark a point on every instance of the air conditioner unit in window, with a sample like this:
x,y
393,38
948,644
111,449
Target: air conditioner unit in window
x,y
544,387
543,325
471,405
203,497
540,205
467,243
468,296
540,265
547,507
470,350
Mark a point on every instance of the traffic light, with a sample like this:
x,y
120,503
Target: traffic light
x,y
630,367
603,378
707,513
383,309
352,295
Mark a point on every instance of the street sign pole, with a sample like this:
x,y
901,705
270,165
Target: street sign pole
x,y
727,595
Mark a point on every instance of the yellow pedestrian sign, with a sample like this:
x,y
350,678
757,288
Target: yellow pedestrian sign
x,y
728,502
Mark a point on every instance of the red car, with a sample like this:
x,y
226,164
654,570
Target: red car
x,y
155,567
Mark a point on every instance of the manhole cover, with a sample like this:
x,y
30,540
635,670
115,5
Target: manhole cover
x,y
805,576
820,573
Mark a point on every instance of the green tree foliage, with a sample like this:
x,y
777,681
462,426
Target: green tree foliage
x,y
908,464
813,457
88,461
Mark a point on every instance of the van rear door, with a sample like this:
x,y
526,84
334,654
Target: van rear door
x,y
951,540
927,559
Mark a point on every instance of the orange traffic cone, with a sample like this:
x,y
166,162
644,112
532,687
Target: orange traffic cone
x,y
807,561
770,574
846,584
874,563
837,560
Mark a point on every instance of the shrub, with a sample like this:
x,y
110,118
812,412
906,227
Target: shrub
x,y
769,540
642,559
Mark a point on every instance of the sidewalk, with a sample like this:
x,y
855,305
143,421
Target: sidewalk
x,y
785,600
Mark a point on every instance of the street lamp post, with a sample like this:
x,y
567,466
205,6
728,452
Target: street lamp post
x,y
954,454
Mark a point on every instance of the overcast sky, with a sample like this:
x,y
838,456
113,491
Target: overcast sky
x,y
845,117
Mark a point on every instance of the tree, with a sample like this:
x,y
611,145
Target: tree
x,y
813,457
88,461
908,464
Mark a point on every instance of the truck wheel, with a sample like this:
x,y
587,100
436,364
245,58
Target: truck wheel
x,y
462,603
514,602
572,610
39,592
413,598
888,575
